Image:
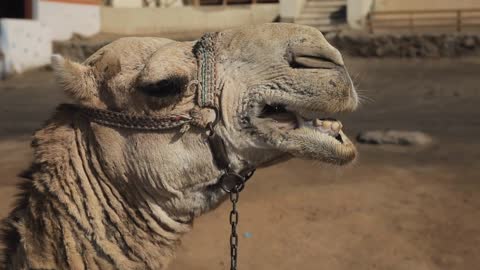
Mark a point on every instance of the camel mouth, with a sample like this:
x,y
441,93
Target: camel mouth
x,y
306,134
286,120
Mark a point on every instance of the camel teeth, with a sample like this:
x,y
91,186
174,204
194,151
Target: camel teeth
x,y
335,126
327,126
300,120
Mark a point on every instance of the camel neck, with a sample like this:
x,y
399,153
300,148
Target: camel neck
x,y
73,217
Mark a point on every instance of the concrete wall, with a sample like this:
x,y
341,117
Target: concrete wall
x,y
395,5
24,44
27,44
127,3
290,9
65,17
129,21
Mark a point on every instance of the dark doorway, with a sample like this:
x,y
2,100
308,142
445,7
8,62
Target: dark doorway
x,y
339,16
18,9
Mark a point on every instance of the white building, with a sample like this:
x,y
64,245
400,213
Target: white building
x,y
26,41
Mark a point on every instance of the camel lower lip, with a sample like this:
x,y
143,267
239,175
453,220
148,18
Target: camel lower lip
x,y
307,143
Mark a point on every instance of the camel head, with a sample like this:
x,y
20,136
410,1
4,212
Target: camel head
x,y
280,84
275,85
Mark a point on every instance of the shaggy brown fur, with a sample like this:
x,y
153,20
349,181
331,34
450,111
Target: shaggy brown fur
x,y
75,217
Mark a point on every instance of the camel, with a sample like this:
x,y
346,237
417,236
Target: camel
x,y
120,173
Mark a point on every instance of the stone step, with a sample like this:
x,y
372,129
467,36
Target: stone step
x,y
325,4
317,13
344,2
314,16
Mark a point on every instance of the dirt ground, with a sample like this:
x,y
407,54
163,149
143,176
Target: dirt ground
x,y
395,208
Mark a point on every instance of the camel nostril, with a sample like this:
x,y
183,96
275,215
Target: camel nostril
x,y
315,56
316,62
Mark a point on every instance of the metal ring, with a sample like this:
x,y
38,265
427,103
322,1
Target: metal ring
x,y
231,181
210,130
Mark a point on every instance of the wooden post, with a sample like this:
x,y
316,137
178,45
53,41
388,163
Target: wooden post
x,y
254,2
459,21
224,2
370,23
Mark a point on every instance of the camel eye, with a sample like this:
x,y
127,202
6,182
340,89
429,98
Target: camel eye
x,y
164,88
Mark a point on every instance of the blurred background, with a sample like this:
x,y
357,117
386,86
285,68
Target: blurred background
x,y
410,201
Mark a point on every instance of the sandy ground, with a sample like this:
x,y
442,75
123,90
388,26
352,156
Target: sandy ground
x,y
395,208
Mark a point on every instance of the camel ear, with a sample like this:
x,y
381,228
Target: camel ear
x,y
77,80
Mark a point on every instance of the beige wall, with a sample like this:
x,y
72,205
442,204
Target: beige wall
x,y
127,3
130,21
395,5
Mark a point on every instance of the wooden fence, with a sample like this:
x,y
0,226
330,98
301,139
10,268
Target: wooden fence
x,y
413,20
229,2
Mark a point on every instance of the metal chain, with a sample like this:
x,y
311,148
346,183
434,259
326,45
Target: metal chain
x,y
233,184
234,196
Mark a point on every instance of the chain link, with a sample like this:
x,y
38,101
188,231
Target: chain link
x,y
234,196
